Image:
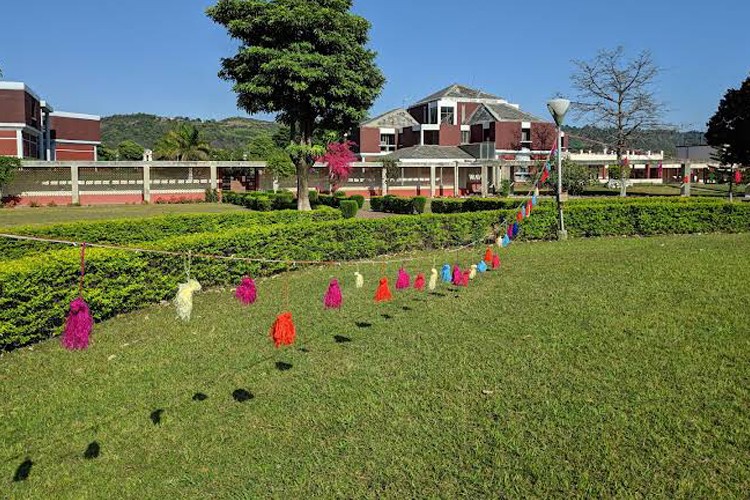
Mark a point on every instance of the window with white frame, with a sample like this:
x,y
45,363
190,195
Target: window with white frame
x,y
465,137
447,114
387,143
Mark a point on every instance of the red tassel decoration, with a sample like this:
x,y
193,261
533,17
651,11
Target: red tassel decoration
x,y
488,256
519,216
78,326
283,330
529,206
465,277
333,298
246,293
383,293
419,282
544,177
457,276
495,261
403,281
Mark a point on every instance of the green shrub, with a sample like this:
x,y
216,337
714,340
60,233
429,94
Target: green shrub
x,y
397,205
419,203
312,195
376,203
329,201
349,208
359,199
505,188
211,196
339,194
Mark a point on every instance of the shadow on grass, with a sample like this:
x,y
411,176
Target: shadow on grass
x,y
199,396
242,395
362,324
23,471
386,316
93,450
406,308
340,339
438,294
283,367
156,416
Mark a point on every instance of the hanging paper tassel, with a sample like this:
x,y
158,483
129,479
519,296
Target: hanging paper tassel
x,y
333,297
499,241
544,177
509,232
403,281
488,255
473,272
383,293
78,326
79,323
536,193
433,279
183,301
506,241
419,282
528,208
519,215
359,280
446,273
246,293
495,261
515,229
465,278
482,267
283,330
457,276
535,200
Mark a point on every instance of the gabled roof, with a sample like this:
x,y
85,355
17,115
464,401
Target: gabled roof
x,y
501,113
430,152
395,118
457,91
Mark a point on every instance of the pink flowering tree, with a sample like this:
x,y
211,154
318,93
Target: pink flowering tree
x,y
339,158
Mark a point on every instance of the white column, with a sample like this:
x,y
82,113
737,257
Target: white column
x,y
146,183
19,144
384,181
214,175
432,181
456,191
74,187
485,171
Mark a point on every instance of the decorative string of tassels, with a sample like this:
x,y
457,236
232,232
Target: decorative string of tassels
x,y
79,323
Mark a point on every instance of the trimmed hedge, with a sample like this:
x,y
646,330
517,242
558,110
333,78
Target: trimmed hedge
x,y
262,201
349,209
35,291
129,231
397,205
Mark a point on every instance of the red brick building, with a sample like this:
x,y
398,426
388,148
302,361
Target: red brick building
x,y
30,128
458,116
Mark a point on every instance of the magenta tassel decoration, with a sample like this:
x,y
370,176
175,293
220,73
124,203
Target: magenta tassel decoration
x,y
246,292
78,326
458,276
333,297
403,281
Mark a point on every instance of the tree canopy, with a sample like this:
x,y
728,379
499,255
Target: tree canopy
x,y
304,60
183,144
129,151
729,128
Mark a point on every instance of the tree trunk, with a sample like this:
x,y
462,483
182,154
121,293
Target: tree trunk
x,y
303,178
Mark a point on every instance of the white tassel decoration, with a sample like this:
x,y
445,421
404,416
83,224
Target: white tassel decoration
x,y
183,301
433,279
473,272
360,280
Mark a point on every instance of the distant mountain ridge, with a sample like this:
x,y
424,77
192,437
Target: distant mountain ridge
x,y
145,129
652,140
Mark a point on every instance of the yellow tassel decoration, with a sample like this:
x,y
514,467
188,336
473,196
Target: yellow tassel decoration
x,y
183,301
433,279
360,280
473,272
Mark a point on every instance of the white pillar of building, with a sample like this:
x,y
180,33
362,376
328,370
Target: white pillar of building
x,y
485,171
383,181
456,191
214,175
74,185
19,143
432,181
147,183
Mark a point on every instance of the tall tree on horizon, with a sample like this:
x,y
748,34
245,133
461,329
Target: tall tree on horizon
x,y
729,128
305,60
182,144
617,94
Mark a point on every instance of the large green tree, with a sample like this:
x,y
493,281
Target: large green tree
x,y
307,61
183,144
729,128
129,151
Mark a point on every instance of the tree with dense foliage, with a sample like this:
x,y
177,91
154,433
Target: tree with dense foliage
x,y
617,94
306,61
183,144
339,159
129,151
575,178
8,167
729,127
261,148
105,153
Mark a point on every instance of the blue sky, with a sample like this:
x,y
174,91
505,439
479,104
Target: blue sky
x,y
162,56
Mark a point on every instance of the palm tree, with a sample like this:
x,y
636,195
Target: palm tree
x,y
183,144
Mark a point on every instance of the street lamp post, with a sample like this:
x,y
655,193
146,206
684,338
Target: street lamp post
x,y
558,108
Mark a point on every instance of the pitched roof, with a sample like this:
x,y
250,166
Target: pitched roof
x,y
501,113
458,91
430,152
395,118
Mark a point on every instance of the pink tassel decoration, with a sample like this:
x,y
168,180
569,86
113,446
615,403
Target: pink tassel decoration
x,y
457,276
78,326
419,282
403,281
246,292
333,297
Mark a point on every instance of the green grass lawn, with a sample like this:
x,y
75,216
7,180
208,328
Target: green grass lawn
x,y
50,215
608,367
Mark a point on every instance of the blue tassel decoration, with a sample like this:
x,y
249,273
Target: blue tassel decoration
x,y
515,229
534,200
446,274
506,241
523,212
482,267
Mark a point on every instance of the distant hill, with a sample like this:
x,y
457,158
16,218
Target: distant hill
x,y
653,140
145,129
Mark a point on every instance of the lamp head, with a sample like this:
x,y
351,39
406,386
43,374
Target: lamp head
x,y
558,108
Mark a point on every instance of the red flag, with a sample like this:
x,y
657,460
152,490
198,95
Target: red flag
x,y
545,176
738,177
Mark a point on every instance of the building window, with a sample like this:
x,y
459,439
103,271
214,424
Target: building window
x,y
446,115
526,136
432,117
465,137
431,137
387,143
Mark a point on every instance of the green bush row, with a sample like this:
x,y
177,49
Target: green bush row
x,y
335,199
131,231
398,205
35,291
262,201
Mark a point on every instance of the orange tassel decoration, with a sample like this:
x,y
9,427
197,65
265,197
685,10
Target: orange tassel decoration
x,y
519,216
383,293
283,330
488,256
